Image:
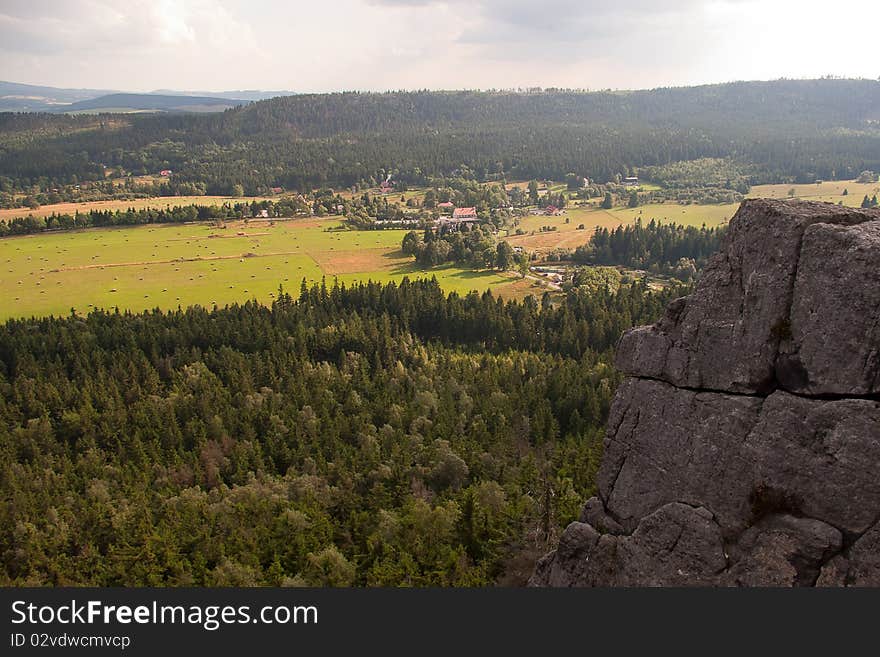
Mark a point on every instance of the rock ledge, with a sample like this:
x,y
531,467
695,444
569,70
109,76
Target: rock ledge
x,y
743,445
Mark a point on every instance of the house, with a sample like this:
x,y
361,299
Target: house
x,y
552,211
459,216
165,172
631,181
386,187
464,214
276,190
446,205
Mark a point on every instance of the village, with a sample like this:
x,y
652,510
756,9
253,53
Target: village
x,y
447,214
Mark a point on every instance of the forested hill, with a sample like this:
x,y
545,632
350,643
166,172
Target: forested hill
x,y
783,130
753,107
370,435
152,102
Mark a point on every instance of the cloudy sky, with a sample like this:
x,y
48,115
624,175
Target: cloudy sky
x,y
324,45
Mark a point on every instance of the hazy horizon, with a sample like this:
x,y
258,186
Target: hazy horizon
x,y
380,45
196,92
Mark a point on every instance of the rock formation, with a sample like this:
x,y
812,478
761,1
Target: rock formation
x,y
743,447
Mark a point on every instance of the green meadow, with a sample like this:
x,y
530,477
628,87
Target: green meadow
x,y
568,235
171,265
166,266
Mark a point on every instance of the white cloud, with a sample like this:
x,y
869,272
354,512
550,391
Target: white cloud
x,y
388,44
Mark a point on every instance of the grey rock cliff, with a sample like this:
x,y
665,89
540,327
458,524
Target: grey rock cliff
x,y
742,447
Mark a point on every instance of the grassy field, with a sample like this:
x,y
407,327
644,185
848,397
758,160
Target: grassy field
x,y
569,236
830,191
167,266
137,204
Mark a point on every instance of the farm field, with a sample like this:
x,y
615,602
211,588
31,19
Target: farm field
x,y
167,266
830,191
137,204
174,265
417,193
568,236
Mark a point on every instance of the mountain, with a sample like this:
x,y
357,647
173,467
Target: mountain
x,y
244,94
124,103
774,132
16,97
742,448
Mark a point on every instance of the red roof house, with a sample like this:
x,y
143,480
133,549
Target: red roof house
x,y
464,214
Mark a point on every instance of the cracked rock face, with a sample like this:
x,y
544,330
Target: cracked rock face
x,y
742,449
789,274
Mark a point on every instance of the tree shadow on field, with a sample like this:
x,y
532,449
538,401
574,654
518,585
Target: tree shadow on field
x,y
448,271
395,255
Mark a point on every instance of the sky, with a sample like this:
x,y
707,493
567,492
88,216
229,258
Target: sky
x,y
332,45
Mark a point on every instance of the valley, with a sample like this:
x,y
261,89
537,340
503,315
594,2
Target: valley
x,y
170,265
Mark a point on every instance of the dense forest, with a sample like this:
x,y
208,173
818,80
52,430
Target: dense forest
x,y
658,247
370,435
786,130
475,247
